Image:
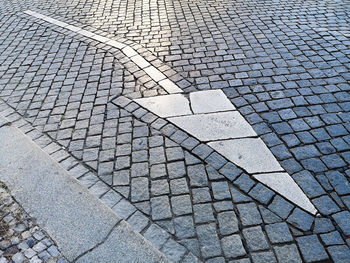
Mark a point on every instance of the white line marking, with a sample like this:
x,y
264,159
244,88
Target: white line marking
x,y
151,71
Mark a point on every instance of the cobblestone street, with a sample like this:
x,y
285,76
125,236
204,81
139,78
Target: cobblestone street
x,y
219,130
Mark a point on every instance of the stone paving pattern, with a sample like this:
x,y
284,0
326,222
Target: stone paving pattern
x,y
21,240
283,64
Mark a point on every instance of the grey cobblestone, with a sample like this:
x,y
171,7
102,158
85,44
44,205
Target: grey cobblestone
x,y
21,239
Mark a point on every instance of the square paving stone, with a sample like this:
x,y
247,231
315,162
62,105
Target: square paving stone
x,y
179,186
288,254
249,214
228,223
311,248
278,233
262,257
139,189
160,208
255,238
209,240
232,246
181,204
221,190
203,213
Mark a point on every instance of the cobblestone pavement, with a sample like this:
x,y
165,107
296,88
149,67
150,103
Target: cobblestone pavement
x,y
21,240
283,64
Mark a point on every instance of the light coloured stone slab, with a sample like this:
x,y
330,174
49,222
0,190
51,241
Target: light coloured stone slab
x,y
86,33
170,86
59,23
210,101
154,73
140,61
215,126
116,44
100,38
283,184
115,250
167,105
73,28
129,51
251,154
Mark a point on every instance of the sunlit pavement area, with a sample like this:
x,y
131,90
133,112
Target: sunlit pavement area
x,y
219,130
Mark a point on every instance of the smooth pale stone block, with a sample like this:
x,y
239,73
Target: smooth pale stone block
x,y
210,101
215,126
85,33
73,28
100,38
129,51
170,86
116,44
29,12
140,61
59,23
250,153
154,73
283,184
167,105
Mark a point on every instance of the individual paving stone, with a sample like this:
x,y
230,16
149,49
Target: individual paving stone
x,y
203,213
249,214
339,182
228,223
197,175
160,208
210,101
301,219
179,186
278,233
326,205
311,248
174,154
332,238
255,238
323,225
176,169
184,227
343,221
285,185
281,207
166,106
261,193
209,240
215,126
221,190
160,187
139,189
232,246
139,169
201,195
339,253
287,254
181,205
263,257
251,154
308,183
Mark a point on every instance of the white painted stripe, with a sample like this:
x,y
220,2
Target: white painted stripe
x,y
130,52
